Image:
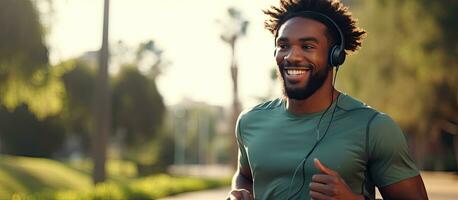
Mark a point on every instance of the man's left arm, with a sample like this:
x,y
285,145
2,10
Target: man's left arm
x,y
411,188
391,166
330,185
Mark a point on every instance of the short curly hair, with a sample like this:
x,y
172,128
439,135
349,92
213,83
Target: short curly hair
x,y
334,9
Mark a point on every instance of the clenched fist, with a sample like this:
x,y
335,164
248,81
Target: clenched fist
x,y
329,185
240,194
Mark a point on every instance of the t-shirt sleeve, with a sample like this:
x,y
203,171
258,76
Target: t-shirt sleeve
x,y
242,157
389,160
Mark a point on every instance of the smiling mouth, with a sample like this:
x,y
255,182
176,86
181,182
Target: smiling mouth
x,y
297,71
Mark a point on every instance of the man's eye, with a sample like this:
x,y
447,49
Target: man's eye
x,y
282,46
307,47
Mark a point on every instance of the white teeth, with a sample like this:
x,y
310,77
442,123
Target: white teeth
x,y
295,72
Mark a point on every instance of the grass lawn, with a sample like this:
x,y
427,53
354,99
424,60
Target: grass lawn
x,y
31,175
37,178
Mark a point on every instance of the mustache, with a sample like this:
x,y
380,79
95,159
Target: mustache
x,y
286,64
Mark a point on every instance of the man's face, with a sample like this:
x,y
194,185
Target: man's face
x,y
301,53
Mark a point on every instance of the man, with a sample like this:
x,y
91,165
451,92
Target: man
x,y
318,143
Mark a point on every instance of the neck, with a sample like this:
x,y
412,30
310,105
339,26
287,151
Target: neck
x,y
317,102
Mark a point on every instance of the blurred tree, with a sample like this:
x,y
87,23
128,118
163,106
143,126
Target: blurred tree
x,y
165,149
150,60
25,75
138,112
24,134
77,115
22,48
445,107
235,27
406,68
138,108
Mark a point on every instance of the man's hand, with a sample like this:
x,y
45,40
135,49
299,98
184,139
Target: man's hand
x,y
240,194
329,185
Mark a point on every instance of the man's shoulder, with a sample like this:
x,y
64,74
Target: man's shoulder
x,y
354,108
361,112
350,103
384,123
378,123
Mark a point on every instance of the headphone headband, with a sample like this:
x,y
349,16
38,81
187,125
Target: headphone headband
x,y
324,19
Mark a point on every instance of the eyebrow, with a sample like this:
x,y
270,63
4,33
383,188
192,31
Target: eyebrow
x,y
304,39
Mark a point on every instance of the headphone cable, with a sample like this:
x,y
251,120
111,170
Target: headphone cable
x,y
319,139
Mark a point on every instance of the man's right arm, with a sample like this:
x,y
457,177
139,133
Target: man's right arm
x,y
242,183
242,179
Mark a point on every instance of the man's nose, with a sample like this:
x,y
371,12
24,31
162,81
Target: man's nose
x,y
294,55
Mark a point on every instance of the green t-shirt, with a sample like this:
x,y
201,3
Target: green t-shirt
x,y
366,147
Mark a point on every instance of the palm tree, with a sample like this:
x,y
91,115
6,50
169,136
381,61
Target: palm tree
x,y
102,106
235,27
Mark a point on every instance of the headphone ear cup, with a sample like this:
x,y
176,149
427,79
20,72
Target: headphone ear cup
x,y
340,57
332,56
336,56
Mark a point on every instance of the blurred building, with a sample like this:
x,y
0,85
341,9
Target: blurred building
x,y
197,127
201,138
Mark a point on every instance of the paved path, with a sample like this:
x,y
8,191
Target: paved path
x,y
440,186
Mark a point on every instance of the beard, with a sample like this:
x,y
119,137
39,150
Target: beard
x,y
314,82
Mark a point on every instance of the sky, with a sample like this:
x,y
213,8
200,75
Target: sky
x,y
187,31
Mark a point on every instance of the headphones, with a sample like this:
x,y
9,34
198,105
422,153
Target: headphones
x,y
336,52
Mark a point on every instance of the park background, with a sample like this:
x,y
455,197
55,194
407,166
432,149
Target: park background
x,y
145,108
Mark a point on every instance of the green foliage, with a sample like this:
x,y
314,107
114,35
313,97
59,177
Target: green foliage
x,y
445,106
26,109
153,187
158,186
42,92
403,62
165,151
22,133
407,68
138,112
79,86
25,75
117,170
77,114
138,108
22,48
137,105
